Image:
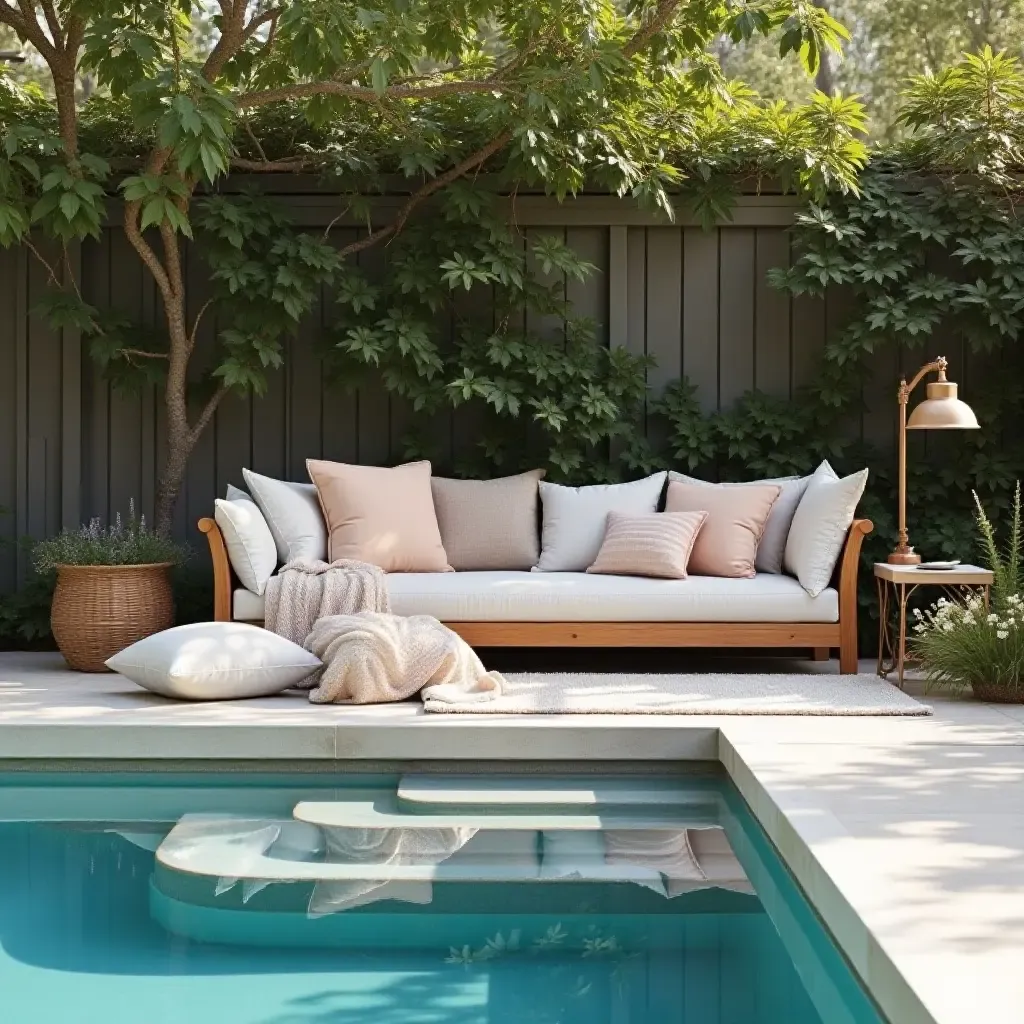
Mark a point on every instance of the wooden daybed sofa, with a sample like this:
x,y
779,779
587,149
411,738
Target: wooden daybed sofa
x,y
524,609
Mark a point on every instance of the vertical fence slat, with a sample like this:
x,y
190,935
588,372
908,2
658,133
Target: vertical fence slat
x,y
71,411
664,311
11,273
737,291
700,313
773,315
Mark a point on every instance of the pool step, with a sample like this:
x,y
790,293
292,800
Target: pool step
x,y
417,793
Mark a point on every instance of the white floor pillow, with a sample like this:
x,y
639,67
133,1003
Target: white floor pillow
x,y
215,661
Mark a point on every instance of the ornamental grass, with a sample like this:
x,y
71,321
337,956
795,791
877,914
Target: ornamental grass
x,y
963,643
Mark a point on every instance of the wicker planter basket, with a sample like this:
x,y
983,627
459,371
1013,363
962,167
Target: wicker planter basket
x,y
99,610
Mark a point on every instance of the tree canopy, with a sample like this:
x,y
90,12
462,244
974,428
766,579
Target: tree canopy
x,y
553,94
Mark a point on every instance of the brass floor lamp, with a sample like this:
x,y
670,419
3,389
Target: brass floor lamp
x,y
941,410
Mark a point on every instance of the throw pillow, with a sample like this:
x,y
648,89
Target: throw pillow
x,y
652,544
489,524
251,547
293,515
736,517
214,661
772,549
820,525
382,516
575,517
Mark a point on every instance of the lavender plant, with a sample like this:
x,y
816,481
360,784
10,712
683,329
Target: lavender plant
x,y
126,541
968,644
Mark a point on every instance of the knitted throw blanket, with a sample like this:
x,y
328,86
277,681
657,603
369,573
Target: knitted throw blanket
x,y
304,591
375,657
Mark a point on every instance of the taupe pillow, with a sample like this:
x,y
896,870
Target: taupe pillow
x,y
650,544
381,516
489,524
727,543
772,548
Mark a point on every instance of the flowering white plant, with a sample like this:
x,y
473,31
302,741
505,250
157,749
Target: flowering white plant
x,y
966,643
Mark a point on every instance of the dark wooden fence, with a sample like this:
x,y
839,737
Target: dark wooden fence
x,y
698,301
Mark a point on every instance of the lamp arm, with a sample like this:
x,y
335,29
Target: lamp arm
x,y
936,365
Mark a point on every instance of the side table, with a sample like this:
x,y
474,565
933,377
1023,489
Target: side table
x,y
895,585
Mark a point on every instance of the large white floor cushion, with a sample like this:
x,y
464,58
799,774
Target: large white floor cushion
x,y
215,661
578,597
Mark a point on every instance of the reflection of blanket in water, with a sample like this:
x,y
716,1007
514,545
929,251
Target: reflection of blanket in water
x,y
386,847
374,658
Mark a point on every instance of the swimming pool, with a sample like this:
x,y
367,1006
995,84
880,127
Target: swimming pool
x,y
388,899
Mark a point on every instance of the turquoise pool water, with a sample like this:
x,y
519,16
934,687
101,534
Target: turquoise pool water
x,y
146,899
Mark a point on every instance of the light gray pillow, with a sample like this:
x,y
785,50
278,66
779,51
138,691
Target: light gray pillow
x,y
489,524
772,547
293,514
215,661
575,518
820,526
251,547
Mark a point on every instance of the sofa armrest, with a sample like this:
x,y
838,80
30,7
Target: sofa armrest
x,y
221,570
849,564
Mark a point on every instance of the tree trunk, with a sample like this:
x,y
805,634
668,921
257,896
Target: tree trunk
x,y
179,449
825,79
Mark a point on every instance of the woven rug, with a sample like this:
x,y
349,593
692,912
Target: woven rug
x,y
723,693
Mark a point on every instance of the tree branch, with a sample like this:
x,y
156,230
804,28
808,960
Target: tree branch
x,y
208,410
293,166
472,161
143,354
663,14
53,23
304,90
259,20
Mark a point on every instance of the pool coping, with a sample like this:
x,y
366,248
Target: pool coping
x,y
840,838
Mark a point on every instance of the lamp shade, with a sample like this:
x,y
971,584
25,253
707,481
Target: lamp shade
x,y
942,410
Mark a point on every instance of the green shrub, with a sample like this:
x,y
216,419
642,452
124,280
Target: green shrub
x,y
964,644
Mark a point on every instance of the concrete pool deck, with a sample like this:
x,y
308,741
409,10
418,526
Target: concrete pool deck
x,y
907,834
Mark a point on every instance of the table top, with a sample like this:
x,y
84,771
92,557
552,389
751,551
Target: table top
x,y
964,574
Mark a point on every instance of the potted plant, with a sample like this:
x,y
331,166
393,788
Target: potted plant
x,y
113,587
968,644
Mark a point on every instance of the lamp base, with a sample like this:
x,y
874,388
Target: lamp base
x,y
906,557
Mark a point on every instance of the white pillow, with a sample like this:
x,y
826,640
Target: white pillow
x,y
251,548
293,514
574,519
215,661
771,548
820,525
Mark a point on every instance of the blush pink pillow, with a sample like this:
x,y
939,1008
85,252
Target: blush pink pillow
x,y
382,516
648,544
727,543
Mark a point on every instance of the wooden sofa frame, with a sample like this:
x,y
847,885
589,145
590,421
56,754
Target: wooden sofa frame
x,y
821,637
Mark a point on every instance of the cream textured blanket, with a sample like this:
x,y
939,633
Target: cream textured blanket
x,y
304,591
373,658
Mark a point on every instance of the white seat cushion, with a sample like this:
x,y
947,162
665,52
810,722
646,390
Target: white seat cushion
x,y
502,596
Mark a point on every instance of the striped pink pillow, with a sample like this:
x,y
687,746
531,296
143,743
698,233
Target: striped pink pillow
x,y
648,544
